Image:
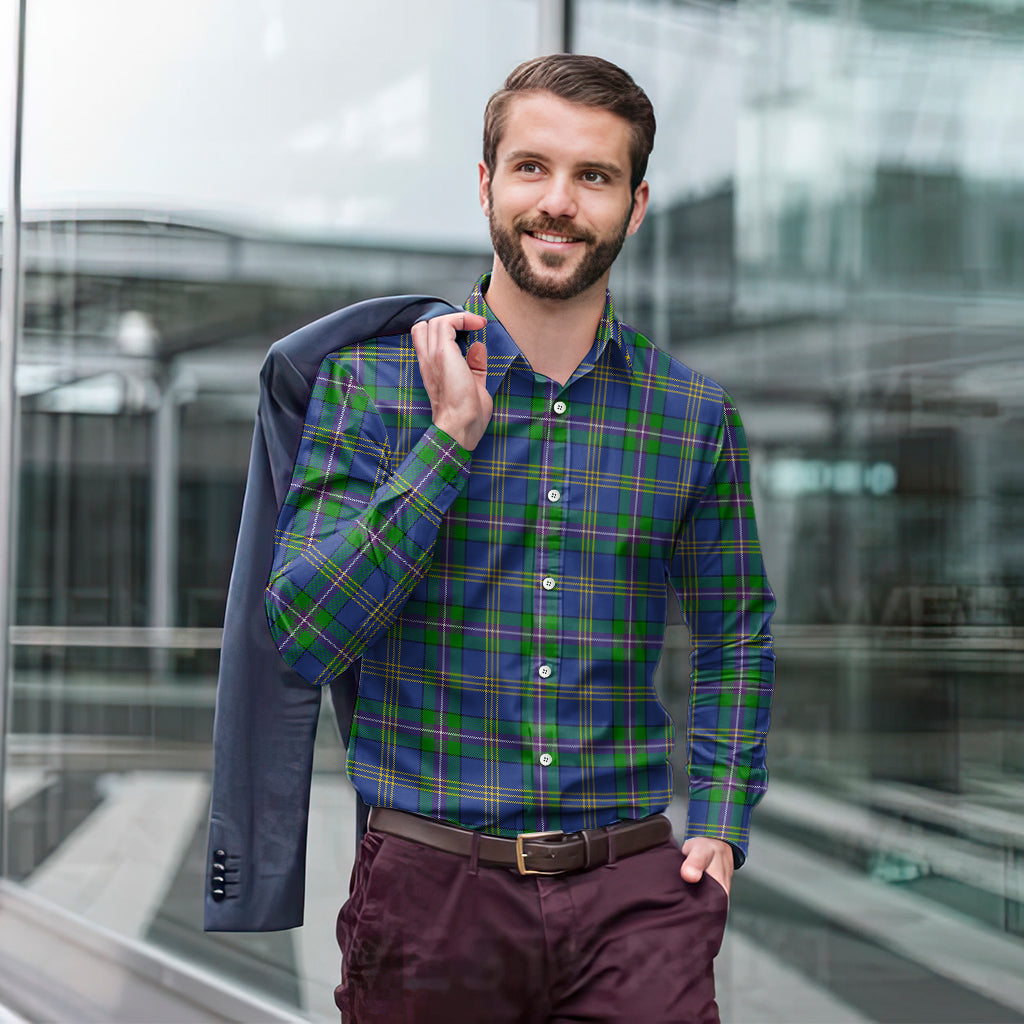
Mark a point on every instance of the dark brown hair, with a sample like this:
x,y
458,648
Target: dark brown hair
x,y
577,78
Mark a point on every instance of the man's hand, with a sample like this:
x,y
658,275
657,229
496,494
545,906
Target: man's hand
x,y
457,387
710,855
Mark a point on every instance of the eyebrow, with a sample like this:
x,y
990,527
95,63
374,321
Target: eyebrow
x,y
611,170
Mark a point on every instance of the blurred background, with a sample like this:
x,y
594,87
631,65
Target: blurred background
x,y
836,236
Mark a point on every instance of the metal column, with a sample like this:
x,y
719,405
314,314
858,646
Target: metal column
x,y
163,549
10,318
554,26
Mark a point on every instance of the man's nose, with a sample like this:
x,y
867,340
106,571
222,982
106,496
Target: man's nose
x,y
559,199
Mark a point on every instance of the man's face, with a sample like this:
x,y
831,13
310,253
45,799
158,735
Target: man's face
x,y
559,203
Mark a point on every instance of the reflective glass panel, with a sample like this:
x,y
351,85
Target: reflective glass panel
x,y
836,236
200,179
8,23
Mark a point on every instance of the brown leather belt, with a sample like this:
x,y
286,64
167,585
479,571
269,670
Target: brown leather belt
x,y
530,853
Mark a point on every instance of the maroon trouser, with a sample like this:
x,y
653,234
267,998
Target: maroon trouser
x,y
429,937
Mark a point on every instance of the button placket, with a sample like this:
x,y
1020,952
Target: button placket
x,y
548,605
553,513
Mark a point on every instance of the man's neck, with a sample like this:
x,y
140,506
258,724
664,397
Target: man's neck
x,y
553,334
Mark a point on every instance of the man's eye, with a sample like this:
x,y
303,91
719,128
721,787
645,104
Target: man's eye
x,y
529,168
593,177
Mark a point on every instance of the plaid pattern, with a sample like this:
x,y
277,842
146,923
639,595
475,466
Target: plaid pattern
x,y
509,604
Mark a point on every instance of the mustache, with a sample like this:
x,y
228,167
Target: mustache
x,y
552,226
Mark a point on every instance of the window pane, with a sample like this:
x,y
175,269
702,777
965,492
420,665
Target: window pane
x,y
200,179
836,236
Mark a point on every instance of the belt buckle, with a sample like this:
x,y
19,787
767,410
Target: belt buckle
x,y
521,855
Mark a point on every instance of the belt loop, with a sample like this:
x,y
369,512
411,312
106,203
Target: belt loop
x,y
586,848
611,848
474,853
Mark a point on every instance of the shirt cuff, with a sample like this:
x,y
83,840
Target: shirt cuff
x,y
436,469
711,816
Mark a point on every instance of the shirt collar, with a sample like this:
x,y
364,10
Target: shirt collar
x,y
502,351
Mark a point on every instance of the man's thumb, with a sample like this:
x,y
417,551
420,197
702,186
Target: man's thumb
x,y
477,357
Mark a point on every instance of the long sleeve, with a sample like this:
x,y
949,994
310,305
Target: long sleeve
x,y
355,534
725,599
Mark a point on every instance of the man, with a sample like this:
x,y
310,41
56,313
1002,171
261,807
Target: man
x,y
486,514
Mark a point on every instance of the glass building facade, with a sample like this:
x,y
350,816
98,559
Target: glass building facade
x,y
836,235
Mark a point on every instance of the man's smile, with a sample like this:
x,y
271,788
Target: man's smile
x,y
557,239
552,233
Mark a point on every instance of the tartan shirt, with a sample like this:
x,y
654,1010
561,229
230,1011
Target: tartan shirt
x,y
508,605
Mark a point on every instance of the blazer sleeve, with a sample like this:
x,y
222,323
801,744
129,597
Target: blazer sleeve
x,y
266,714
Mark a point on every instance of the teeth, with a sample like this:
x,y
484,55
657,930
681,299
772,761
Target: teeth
x,y
551,238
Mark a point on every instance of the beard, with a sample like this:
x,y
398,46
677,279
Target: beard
x,y
598,257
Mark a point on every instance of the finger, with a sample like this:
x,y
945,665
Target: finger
x,y
691,871
477,357
473,321
427,334
441,330
696,862
463,320
421,340
418,332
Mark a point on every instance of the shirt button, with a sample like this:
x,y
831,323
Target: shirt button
x,y
544,671
548,583
559,407
546,759
554,494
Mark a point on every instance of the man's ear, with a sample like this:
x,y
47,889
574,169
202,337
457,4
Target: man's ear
x,y
641,197
485,184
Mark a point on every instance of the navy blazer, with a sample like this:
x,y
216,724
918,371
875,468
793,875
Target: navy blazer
x,y
266,714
